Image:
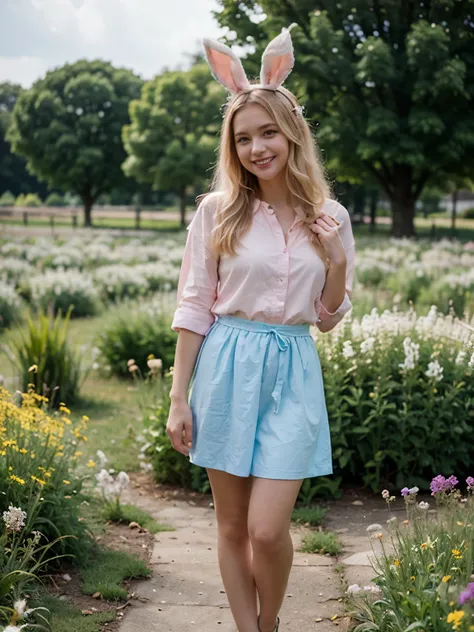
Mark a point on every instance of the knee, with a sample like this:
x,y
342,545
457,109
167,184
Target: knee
x,y
266,537
233,531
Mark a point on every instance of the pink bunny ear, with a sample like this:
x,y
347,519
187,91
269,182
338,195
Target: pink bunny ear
x,y
277,60
225,66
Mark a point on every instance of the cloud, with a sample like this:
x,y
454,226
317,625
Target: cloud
x,y
145,35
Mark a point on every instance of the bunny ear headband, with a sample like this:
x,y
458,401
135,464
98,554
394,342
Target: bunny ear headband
x,y
277,63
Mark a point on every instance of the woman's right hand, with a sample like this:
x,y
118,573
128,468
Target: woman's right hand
x,y
180,426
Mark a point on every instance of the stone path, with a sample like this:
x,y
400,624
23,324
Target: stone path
x,y
186,594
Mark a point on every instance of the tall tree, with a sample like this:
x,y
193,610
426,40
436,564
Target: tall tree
x,y
68,126
171,139
391,83
13,174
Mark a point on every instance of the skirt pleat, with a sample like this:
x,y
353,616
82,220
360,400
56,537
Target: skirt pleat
x,y
257,398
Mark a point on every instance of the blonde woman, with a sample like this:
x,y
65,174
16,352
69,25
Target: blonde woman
x,y
268,254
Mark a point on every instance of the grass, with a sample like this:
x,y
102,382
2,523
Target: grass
x,y
321,542
131,513
309,515
105,572
66,618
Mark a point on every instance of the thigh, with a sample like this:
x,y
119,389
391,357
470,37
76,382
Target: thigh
x,y
271,505
231,501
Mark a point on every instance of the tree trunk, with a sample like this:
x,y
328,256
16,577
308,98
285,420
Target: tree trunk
x,y
402,202
88,202
453,211
182,207
374,198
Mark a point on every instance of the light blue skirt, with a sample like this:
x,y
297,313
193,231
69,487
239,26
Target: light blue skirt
x,y
258,404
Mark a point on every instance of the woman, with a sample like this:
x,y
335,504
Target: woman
x,y
268,253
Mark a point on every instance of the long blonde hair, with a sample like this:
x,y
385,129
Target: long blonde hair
x,y
238,187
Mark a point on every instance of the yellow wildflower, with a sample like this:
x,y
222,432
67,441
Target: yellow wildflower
x,y
446,579
423,546
151,356
17,479
455,618
380,536
33,367
64,409
91,463
396,562
38,480
85,418
412,578
460,524
23,451
66,482
457,554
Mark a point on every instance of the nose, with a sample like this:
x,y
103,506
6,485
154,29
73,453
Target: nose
x,y
258,146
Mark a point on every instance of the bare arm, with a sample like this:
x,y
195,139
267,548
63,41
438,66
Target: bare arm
x,y
179,426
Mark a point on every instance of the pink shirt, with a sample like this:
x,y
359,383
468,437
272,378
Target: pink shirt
x,y
269,280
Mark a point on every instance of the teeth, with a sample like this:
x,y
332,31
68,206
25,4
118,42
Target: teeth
x,y
263,162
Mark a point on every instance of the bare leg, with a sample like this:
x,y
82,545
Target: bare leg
x,y
231,500
271,505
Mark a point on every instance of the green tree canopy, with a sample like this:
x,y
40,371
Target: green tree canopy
x,y
13,174
172,136
390,81
68,126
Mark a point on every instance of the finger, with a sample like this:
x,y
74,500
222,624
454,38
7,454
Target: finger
x,y
325,222
316,228
188,434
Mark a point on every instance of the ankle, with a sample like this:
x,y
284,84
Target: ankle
x,y
267,627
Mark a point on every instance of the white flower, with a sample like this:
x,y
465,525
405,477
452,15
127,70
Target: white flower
x,y
412,354
367,345
14,518
123,479
385,494
20,607
374,527
354,588
435,370
146,467
423,505
347,350
155,365
372,588
102,458
461,357
413,490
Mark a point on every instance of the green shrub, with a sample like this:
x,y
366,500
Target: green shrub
x,y
54,199
309,515
321,542
61,289
7,199
44,358
38,474
32,200
135,333
421,568
10,305
454,292
468,213
20,200
398,412
106,570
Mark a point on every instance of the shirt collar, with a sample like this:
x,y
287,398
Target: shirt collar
x,y
260,204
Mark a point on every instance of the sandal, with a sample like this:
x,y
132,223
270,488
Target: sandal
x,y
276,627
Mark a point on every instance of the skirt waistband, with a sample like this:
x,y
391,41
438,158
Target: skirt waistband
x,y
261,327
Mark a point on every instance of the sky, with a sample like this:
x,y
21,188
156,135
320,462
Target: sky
x,y
143,35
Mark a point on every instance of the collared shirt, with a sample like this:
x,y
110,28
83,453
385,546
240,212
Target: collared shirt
x,y
268,280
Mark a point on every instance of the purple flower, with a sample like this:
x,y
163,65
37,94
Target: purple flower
x,y
451,482
405,491
467,594
438,484
470,481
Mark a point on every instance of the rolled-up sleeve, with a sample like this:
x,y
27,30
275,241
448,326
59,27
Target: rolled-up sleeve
x,y
348,242
198,279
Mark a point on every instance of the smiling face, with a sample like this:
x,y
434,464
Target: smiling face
x,y
261,146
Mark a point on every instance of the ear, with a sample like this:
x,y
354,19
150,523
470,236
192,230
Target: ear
x,y
277,60
225,66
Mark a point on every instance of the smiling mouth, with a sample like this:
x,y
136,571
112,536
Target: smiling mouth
x,y
264,161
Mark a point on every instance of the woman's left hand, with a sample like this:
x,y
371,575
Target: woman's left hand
x,y
327,231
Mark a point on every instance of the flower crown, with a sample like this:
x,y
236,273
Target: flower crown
x,y
277,62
